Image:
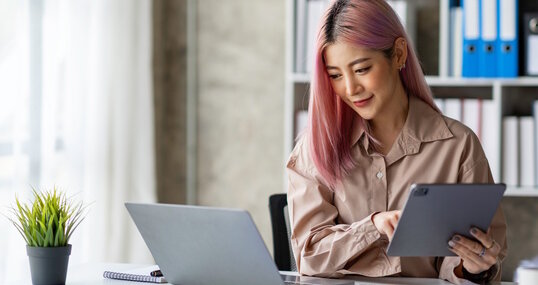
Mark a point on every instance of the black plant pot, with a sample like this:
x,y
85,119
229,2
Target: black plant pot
x,y
48,265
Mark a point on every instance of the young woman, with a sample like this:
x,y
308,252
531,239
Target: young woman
x,y
373,131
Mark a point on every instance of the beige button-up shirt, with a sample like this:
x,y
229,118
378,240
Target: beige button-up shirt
x,y
332,230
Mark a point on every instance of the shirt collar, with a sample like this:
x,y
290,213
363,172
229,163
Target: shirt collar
x,y
423,124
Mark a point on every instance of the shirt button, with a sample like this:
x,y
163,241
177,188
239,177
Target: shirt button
x,y
379,175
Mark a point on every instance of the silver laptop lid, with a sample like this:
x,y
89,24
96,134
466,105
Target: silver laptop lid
x,y
205,246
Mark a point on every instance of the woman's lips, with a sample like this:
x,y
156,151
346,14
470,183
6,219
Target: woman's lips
x,y
364,102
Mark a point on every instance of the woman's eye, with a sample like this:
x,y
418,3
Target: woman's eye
x,y
362,70
334,76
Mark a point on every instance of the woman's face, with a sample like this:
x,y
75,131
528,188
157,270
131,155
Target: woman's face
x,y
365,79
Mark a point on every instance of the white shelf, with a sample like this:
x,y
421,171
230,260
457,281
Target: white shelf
x,y
451,81
456,82
480,82
521,192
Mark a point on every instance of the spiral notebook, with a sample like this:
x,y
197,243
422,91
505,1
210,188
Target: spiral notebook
x,y
139,275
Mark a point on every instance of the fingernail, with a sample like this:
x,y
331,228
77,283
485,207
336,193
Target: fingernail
x,y
451,244
474,231
456,238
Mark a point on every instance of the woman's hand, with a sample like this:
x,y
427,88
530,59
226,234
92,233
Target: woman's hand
x,y
478,256
386,222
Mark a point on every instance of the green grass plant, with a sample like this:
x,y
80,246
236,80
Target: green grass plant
x,y
49,221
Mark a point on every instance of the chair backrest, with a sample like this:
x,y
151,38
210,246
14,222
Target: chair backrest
x,y
283,255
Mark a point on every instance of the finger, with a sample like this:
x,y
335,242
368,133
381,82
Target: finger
x,y
488,259
390,234
496,248
473,246
465,257
465,252
484,238
394,221
472,263
389,229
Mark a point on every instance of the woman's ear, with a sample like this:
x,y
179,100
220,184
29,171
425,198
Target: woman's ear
x,y
400,52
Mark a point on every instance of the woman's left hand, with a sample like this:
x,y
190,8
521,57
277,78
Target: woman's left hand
x,y
478,255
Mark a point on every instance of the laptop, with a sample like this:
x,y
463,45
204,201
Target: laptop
x,y
207,246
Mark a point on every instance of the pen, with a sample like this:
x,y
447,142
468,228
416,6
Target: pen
x,y
156,273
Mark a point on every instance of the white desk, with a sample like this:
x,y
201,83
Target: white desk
x,y
92,274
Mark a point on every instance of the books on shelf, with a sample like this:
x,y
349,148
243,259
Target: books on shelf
x,y
526,153
507,41
456,42
520,150
440,103
530,43
512,156
489,38
472,115
510,151
487,50
491,136
482,117
139,275
453,108
471,37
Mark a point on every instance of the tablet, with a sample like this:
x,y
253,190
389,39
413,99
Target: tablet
x,y
433,213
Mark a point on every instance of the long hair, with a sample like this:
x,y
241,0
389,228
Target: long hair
x,y
364,23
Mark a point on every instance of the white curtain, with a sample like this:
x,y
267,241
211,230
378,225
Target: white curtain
x,y
95,120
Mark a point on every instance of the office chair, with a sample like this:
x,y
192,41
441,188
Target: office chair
x,y
283,255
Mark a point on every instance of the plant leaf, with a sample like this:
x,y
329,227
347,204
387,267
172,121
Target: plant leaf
x,y
49,220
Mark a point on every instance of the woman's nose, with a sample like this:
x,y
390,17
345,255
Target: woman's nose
x,y
353,87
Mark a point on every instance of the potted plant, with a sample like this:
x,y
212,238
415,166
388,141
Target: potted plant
x,y
46,224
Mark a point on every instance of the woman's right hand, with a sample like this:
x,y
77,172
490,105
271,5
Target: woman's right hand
x,y
386,222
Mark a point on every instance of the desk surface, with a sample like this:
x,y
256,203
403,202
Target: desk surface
x,y
92,274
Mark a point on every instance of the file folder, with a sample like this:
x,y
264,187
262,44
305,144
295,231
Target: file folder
x,y
531,45
487,52
471,38
507,64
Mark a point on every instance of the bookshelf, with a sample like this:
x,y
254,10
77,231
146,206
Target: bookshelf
x,y
510,96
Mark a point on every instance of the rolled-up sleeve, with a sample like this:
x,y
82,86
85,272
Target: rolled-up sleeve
x,y
320,246
475,169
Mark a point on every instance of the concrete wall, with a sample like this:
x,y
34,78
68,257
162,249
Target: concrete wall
x,y
241,49
170,95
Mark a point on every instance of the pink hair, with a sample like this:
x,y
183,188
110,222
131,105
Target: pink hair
x,y
365,23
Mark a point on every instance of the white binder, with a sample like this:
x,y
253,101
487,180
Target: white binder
x,y
510,151
526,153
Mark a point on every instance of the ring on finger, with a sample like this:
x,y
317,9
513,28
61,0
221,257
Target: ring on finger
x,y
482,252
